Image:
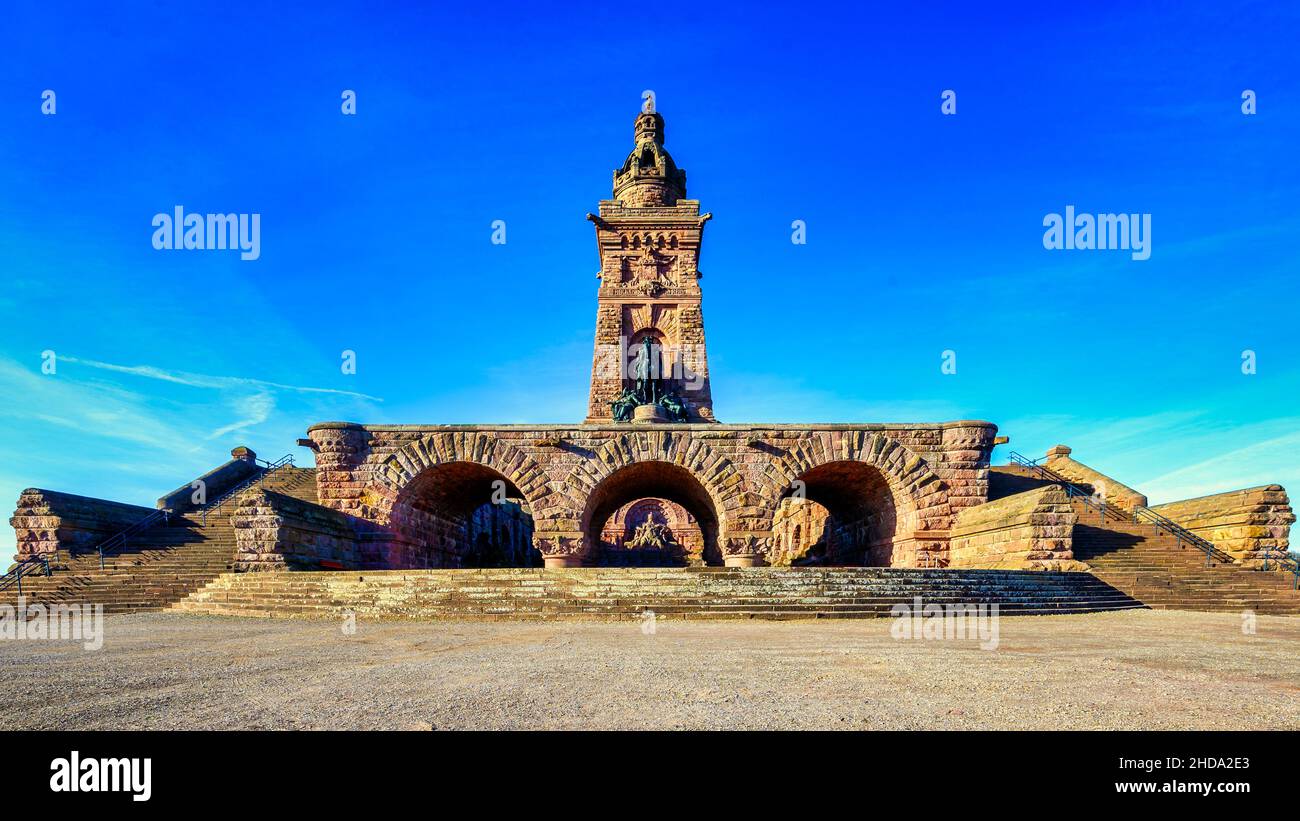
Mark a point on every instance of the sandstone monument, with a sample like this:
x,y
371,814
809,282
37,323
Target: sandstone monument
x,y
652,477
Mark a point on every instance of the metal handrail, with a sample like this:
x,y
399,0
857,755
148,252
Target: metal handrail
x,y
1090,498
25,567
118,540
1146,515
270,468
1286,561
1139,515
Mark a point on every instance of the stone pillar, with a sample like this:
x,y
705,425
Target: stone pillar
x,y
342,473
559,551
243,454
747,550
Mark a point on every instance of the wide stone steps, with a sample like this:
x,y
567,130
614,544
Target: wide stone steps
x,y
1158,570
158,566
626,593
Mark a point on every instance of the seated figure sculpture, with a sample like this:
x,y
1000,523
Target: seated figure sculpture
x,y
673,406
624,405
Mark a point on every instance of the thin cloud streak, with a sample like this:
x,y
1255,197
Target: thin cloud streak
x,y
196,380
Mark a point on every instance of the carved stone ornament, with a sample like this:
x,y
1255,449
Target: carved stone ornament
x,y
748,545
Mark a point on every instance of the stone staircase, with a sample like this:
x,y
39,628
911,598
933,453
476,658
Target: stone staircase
x,y
158,566
624,593
1154,568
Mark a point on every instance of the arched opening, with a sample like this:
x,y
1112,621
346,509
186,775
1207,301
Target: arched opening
x,y
651,514
463,514
838,514
650,532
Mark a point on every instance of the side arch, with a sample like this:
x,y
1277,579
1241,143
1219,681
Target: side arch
x,y
400,468
905,471
919,497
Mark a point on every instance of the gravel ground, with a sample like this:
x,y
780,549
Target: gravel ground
x,y
1131,670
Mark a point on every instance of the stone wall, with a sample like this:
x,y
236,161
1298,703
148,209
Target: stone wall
x,y
798,529
500,535
734,475
46,521
1114,492
278,532
1027,531
1246,524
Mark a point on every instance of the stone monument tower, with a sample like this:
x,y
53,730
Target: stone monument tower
x,y
648,238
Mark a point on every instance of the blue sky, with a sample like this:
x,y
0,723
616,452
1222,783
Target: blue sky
x,y
924,230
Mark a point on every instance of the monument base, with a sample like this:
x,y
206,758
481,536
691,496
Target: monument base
x,y
648,413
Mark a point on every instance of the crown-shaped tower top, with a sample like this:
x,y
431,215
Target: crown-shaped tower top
x,y
648,177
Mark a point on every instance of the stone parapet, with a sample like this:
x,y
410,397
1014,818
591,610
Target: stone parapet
x,y
1027,531
1249,524
1113,491
46,521
277,532
215,482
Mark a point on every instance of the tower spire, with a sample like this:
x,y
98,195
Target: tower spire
x,y
649,177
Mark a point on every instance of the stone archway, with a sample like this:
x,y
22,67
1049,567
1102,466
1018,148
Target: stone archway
x,y
884,497
649,531
687,469
461,500
401,467
640,482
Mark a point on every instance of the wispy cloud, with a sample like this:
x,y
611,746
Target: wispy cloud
x,y
256,409
132,432
197,380
1172,455
1267,461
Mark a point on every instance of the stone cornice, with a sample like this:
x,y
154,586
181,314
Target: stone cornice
x,y
710,427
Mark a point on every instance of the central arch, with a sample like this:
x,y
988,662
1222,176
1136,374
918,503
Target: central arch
x,y
651,480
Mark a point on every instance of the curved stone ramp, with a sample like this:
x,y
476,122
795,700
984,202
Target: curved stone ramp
x,y
613,593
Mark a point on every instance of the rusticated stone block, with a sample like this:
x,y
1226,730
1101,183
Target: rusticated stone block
x,y
46,521
1030,530
1251,525
275,532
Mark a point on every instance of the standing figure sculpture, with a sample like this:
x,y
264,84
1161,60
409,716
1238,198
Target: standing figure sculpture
x,y
647,375
649,388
